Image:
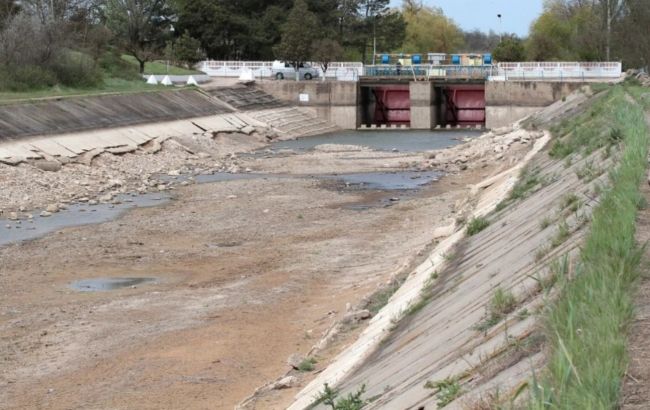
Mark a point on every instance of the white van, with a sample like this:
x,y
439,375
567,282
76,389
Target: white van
x,y
281,70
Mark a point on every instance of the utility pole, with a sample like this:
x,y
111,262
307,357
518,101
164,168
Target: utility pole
x,y
609,29
374,39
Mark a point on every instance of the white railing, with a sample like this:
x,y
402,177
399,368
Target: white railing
x,y
342,71
351,71
557,71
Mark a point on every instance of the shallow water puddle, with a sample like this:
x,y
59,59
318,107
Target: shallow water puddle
x,y
106,284
406,141
403,180
76,215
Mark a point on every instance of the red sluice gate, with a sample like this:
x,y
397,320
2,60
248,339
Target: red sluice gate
x,y
465,105
393,105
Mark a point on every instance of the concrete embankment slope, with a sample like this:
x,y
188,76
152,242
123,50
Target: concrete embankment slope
x,y
71,127
451,334
67,115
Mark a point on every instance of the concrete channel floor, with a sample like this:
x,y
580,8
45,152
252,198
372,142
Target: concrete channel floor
x,y
248,272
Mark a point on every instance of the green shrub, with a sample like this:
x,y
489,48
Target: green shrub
x,y
448,390
307,365
352,401
77,70
476,225
502,303
25,78
115,66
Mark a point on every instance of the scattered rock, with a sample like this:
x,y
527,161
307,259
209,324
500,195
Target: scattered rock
x,y
45,214
285,383
49,166
503,130
52,208
443,231
357,316
106,198
87,157
12,160
247,130
295,359
13,216
122,150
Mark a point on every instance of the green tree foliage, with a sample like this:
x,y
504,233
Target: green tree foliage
x,y
248,29
371,24
631,41
428,29
140,26
298,33
8,9
187,50
326,50
477,41
588,30
511,48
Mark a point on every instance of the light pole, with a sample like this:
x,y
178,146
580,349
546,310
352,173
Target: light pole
x,y
171,55
500,29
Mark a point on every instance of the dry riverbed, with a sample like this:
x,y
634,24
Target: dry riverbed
x,y
243,273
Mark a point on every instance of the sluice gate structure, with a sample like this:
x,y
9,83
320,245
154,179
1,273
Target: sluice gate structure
x,y
434,96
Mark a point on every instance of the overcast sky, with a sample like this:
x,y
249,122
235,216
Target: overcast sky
x,y
482,14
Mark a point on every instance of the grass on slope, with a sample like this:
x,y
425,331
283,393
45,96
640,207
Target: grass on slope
x,y
160,67
586,326
117,73
110,85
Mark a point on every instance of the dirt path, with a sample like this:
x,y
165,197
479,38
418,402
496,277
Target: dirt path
x,y
248,272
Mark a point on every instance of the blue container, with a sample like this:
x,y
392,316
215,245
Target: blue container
x,y
487,59
385,59
455,59
416,59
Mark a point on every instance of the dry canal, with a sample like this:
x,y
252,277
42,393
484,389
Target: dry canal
x,y
196,296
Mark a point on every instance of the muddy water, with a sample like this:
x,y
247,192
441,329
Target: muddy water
x,y
106,284
387,140
410,141
75,215
389,181
84,214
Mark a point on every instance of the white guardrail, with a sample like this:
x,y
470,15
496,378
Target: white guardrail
x,y
557,71
342,71
351,71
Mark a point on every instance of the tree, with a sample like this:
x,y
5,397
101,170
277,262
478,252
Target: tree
x,y
477,41
140,26
577,29
326,50
511,48
187,50
8,9
630,35
297,35
429,30
613,9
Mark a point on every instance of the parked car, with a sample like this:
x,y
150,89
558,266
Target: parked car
x,y
281,70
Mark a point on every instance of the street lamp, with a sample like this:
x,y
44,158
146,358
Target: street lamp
x,y
171,31
500,29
